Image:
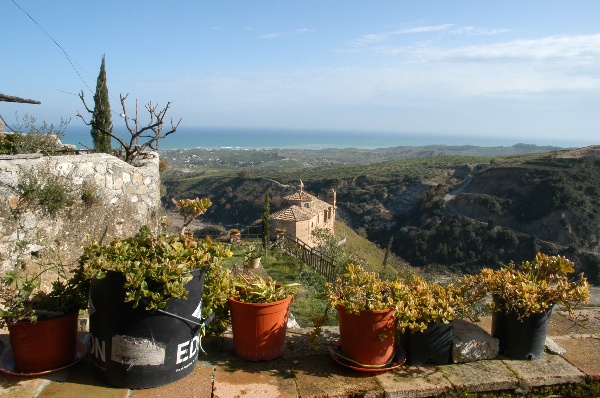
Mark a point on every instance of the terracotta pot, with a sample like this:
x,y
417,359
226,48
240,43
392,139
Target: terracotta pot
x,y
45,344
368,338
259,329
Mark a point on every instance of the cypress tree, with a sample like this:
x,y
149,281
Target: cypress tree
x,y
266,222
388,250
101,118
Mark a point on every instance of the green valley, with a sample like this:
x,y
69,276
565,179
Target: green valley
x,y
444,208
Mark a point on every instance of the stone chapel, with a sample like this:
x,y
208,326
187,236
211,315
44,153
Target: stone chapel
x,y
306,213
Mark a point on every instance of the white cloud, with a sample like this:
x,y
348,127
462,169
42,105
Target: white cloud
x,y
447,89
444,28
474,30
381,37
275,35
517,67
439,76
423,29
566,47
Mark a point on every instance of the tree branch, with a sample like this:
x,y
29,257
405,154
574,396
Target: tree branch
x,y
133,150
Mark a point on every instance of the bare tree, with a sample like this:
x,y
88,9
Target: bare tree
x,y
150,135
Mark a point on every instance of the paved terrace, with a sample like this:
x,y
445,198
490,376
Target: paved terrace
x,y
303,372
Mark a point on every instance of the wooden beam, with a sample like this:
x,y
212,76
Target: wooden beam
x,y
10,98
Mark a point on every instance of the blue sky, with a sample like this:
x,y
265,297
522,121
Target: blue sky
x,y
523,69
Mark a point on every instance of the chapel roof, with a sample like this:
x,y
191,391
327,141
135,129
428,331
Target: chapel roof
x,y
298,212
293,213
301,196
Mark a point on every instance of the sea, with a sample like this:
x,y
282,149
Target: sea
x,y
273,138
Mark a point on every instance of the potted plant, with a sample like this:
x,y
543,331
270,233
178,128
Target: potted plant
x,y
371,311
367,309
280,232
259,312
146,302
252,256
42,323
234,235
425,315
523,299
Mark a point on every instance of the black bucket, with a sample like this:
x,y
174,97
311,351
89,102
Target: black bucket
x,y
137,348
521,339
433,345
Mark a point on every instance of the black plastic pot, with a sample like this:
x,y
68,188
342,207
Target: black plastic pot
x,y
137,348
434,345
520,339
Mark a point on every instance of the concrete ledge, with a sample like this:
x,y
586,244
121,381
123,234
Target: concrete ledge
x,y
238,377
584,353
480,376
546,371
414,381
304,372
81,382
13,387
200,384
320,376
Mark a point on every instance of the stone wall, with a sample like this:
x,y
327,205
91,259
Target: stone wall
x,y
123,199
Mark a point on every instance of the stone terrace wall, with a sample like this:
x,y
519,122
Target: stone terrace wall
x,y
129,197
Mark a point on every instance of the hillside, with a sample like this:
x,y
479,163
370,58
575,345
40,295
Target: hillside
x,y
447,211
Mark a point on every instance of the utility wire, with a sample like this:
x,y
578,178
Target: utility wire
x,y
66,55
55,42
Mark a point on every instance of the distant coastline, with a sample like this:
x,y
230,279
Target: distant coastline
x,y
255,138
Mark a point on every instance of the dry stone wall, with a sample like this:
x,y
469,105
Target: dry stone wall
x,y
125,197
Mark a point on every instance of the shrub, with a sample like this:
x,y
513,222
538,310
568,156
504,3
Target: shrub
x,y
52,192
30,138
90,194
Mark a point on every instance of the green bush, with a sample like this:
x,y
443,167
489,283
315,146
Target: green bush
x,y
32,138
90,194
7,144
52,192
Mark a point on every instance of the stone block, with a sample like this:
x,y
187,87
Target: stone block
x,y
480,376
238,378
299,345
546,371
472,343
319,376
18,387
583,353
81,382
137,179
552,347
587,322
414,381
196,384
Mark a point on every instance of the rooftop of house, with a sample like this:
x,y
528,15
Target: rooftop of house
x,y
301,213
293,213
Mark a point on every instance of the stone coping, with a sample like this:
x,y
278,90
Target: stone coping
x,y
305,372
